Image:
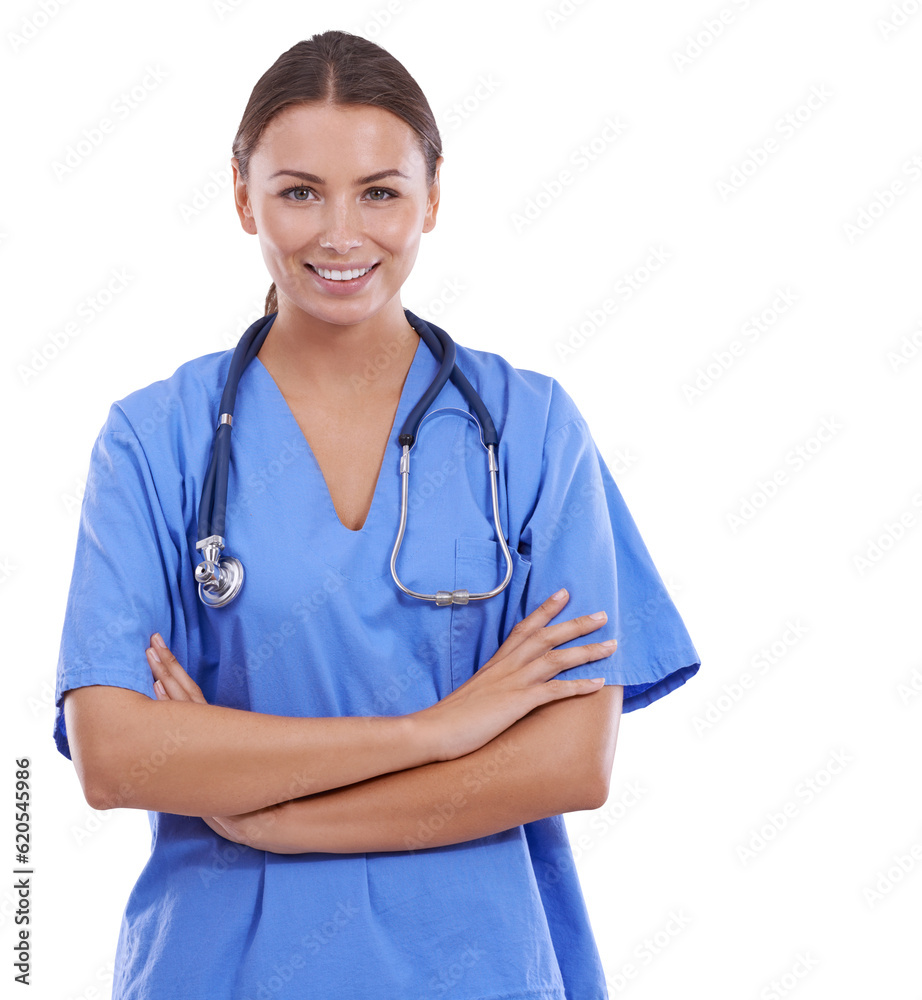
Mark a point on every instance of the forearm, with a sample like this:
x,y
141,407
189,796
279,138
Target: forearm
x,y
204,760
524,774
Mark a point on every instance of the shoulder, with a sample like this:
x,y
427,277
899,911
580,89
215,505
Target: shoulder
x,y
188,397
524,399
162,428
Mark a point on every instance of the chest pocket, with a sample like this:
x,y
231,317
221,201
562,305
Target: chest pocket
x,y
479,628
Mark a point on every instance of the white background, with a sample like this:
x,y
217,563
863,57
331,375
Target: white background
x,y
828,729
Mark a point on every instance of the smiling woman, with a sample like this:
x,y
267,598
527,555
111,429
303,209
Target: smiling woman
x,y
392,774
333,221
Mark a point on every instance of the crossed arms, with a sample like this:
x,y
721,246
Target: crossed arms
x,y
374,784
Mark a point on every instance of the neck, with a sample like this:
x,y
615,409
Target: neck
x,y
323,358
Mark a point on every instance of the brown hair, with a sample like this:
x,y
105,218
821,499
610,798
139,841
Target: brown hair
x,y
339,68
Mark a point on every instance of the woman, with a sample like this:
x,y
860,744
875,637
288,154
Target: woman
x,y
353,792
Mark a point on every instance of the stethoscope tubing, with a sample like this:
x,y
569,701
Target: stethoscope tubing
x,y
219,579
443,348
213,504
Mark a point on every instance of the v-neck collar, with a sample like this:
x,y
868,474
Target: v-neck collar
x,y
420,373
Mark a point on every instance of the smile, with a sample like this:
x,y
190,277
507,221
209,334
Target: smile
x,y
341,275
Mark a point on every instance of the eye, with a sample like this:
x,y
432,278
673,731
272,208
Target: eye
x,y
307,194
301,187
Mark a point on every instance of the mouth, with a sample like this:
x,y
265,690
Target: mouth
x,y
342,274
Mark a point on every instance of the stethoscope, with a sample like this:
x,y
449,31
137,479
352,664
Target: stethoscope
x,y
220,578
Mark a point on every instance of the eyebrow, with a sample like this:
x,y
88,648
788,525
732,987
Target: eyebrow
x,y
314,179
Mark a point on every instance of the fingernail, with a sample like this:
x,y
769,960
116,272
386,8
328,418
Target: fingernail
x,y
158,639
560,595
152,653
598,616
158,685
609,643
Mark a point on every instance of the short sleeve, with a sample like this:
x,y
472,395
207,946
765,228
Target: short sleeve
x,y
126,567
581,536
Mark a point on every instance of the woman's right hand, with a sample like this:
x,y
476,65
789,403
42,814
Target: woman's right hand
x,y
514,681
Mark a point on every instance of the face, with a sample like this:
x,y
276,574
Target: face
x,y
337,189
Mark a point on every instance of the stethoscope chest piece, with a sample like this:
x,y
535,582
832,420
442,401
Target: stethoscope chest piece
x,y
219,579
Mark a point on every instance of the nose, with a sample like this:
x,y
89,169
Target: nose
x,y
340,231
343,246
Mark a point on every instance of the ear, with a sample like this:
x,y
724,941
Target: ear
x,y
242,199
432,207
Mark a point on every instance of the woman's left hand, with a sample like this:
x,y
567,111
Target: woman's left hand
x,y
172,683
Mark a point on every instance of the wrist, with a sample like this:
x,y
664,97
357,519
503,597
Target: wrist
x,y
423,735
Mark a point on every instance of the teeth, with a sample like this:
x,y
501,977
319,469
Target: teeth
x,y
340,275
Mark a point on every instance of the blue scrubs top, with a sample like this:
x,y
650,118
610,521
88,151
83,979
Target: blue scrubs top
x,y
320,629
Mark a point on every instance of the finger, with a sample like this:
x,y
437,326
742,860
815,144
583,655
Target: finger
x,y
556,635
169,671
559,689
175,670
160,691
244,829
219,828
165,677
534,622
556,660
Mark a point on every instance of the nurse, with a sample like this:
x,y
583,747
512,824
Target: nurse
x,y
352,792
